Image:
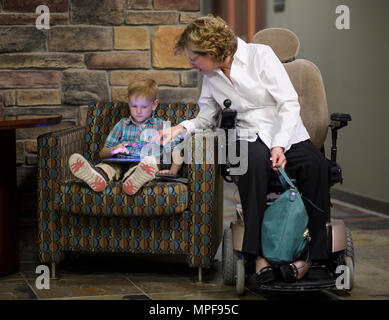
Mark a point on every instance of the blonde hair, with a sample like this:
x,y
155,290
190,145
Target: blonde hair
x,y
208,35
146,88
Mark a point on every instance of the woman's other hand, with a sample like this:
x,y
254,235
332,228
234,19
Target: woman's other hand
x,y
278,158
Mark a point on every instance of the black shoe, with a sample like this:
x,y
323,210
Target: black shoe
x,y
265,275
289,272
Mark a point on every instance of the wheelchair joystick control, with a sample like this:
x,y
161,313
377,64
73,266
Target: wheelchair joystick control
x,y
228,117
228,122
227,103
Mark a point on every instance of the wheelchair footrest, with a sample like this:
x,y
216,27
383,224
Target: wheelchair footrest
x,y
317,278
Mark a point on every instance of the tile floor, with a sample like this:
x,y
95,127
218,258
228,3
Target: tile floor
x,y
116,277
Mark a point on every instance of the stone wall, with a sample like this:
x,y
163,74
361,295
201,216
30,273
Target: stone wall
x,y
91,52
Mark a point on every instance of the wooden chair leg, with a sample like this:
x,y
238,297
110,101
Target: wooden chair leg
x,y
200,274
53,272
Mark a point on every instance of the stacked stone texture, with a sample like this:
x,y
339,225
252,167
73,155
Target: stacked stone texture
x,y
91,52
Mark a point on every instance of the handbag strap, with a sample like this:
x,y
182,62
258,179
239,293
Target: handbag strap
x,y
306,260
284,179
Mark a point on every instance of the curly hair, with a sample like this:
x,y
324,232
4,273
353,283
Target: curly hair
x,y
146,88
208,35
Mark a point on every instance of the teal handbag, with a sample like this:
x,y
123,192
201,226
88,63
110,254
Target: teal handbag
x,y
284,229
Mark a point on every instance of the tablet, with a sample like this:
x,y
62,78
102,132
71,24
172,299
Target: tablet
x,y
121,160
170,177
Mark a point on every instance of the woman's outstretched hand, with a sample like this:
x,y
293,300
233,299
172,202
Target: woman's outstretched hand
x,y
278,158
166,135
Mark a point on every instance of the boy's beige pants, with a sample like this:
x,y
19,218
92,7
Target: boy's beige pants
x,y
114,171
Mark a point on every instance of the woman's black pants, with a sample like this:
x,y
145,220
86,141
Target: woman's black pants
x,y
309,167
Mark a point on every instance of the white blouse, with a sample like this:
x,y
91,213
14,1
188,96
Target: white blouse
x,y
262,93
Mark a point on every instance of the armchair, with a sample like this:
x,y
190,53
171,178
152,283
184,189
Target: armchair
x,y
161,218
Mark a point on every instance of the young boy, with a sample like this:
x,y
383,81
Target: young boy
x,y
130,138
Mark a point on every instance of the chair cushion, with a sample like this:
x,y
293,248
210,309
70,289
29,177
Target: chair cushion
x,y
155,198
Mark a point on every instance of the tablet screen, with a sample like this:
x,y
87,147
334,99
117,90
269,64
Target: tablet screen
x,y
121,160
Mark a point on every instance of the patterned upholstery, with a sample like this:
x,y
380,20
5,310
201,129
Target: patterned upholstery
x,y
163,217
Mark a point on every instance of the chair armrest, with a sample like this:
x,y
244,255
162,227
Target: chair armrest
x,y
205,196
200,159
54,150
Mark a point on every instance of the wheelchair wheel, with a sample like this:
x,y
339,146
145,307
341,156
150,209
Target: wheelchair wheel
x,y
349,246
349,259
345,259
240,276
228,258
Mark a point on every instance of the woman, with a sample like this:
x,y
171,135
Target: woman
x,y
253,78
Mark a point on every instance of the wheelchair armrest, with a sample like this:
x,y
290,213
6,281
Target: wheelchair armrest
x,y
339,120
340,117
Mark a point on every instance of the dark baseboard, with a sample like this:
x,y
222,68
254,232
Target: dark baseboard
x,y
361,201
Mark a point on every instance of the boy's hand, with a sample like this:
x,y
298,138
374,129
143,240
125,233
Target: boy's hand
x,y
120,148
167,171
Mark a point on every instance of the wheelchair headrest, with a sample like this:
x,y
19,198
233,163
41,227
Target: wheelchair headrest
x,y
284,42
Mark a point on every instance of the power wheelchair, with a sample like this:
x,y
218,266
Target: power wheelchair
x,y
338,270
